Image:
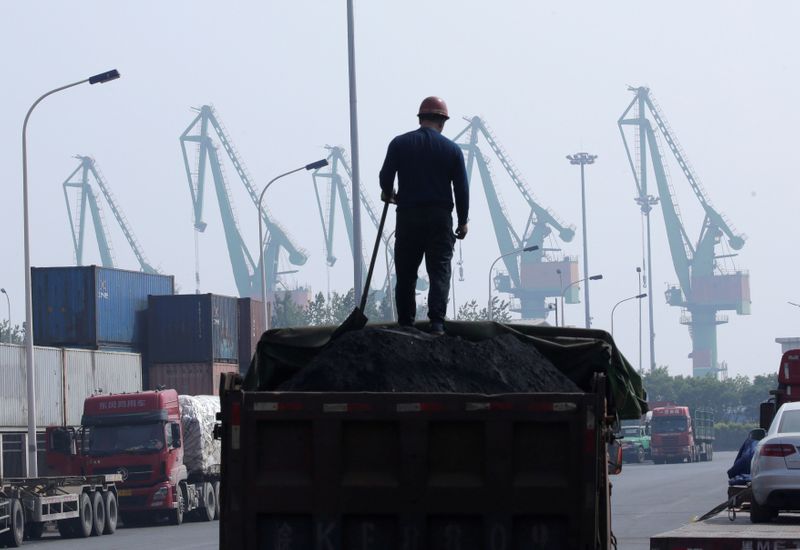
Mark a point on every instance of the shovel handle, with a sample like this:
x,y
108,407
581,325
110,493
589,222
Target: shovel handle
x,y
374,255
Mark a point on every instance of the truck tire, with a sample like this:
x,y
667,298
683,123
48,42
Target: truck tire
x,y
639,455
65,528
759,513
710,453
216,495
82,525
16,533
209,510
176,514
34,530
98,513
112,512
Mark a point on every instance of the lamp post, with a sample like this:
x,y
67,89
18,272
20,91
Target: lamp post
x,y
582,159
8,301
33,470
561,288
637,297
564,292
639,273
312,166
520,251
389,275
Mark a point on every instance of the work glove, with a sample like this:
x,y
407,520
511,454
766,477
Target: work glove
x,y
461,231
390,198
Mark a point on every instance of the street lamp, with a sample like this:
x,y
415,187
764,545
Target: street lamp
x,y
582,159
520,251
3,291
33,470
561,288
637,297
312,166
564,292
389,275
793,304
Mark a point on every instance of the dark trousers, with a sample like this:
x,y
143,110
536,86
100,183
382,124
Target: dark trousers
x,y
423,232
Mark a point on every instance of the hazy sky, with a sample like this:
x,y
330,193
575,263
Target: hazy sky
x,y
549,77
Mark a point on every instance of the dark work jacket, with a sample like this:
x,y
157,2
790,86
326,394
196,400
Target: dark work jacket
x,y
430,170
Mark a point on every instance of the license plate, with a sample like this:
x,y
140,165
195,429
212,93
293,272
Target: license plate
x,y
124,492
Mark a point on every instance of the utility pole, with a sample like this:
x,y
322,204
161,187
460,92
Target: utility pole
x,y
582,159
639,273
351,64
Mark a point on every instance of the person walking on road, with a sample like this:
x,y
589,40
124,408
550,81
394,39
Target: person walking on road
x,y
430,171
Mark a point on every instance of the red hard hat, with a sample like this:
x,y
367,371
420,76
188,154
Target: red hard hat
x,y
433,106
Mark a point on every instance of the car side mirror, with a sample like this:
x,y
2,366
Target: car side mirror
x,y
758,434
176,435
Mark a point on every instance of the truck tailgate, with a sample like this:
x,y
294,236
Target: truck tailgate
x,y
412,471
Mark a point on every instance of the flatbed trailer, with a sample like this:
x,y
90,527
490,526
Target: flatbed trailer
x,y
720,533
81,506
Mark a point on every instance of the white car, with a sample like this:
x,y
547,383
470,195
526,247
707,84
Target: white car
x,y
775,469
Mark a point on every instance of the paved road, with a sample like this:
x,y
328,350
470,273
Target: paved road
x,y
648,499
189,536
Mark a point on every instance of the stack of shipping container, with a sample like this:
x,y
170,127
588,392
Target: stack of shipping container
x,y
185,341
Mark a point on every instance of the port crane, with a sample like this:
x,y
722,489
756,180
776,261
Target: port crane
x,y
246,270
79,186
704,288
531,277
332,185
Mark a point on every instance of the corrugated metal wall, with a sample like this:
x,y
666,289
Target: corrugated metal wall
x,y
189,378
61,374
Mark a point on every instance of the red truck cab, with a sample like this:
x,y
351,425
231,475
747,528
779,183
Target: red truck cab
x,y
136,435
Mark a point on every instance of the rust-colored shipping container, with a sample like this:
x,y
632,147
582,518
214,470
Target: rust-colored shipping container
x,y
188,378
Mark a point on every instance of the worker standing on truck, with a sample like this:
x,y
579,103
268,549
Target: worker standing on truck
x,y
430,170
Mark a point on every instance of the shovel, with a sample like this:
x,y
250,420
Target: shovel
x,y
357,319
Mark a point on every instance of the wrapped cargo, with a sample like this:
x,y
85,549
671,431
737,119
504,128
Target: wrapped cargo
x,y
201,452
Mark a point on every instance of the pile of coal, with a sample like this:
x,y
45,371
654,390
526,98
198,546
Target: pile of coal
x,y
407,360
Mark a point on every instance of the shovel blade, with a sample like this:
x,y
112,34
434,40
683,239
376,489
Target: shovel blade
x,y
355,321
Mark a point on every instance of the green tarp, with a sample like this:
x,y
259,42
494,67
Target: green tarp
x,y
578,353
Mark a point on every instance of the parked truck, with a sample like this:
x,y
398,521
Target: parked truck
x,y
635,439
81,506
678,435
342,470
159,442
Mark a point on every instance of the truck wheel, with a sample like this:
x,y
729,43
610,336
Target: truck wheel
x,y
112,512
759,513
98,514
65,528
710,453
216,495
209,510
16,518
82,525
176,514
639,455
34,530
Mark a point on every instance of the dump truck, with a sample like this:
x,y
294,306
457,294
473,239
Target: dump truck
x,y
423,470
159,442
81,506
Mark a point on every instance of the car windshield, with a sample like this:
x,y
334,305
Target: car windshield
x,y
669,424
630,431
133,438
790,422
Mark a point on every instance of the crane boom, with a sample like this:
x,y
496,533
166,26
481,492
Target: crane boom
x,y
88,196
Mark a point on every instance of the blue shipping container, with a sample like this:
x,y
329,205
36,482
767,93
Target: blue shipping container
x,y
93,307
192,328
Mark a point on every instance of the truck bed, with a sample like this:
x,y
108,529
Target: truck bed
x,y
719,533
417,471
